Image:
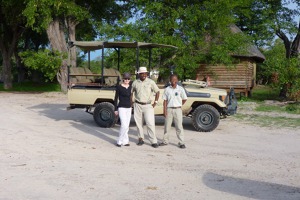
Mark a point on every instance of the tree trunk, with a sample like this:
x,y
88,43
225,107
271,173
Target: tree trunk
x,y
56,36
36,76
295,48
72,26
292,49
286,42
20,67
6,72
7,48
283,91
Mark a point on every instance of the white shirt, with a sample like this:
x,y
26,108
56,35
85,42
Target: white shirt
x,y
174,96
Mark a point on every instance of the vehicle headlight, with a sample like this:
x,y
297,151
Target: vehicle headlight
x,y
222,98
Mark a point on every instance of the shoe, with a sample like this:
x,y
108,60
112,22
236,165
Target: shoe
x,y
127,145
118,145
182,146
141,142
163,144
155,145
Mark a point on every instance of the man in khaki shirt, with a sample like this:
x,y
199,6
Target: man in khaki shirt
x,y
174,97
143,89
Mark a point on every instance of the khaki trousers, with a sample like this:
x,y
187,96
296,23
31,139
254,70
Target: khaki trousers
x,y
141,113
175,114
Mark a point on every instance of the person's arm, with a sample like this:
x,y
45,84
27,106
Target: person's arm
x,y
132,91
156,90
116,100
165,108
131,99
165,103
156,98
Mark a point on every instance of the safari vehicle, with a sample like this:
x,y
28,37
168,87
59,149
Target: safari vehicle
x,y
96,92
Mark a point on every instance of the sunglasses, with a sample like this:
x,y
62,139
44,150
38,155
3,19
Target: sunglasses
x,y
126,78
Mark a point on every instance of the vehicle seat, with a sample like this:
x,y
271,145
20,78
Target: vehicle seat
x,y
80,79
88,71
112,81
73,79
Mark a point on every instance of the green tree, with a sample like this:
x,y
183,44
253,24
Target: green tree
x,y
33,41
200,30
280,70
45,61
61,17
11,28
271,19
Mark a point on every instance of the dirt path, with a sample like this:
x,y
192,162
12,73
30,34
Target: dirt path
x,y
47,152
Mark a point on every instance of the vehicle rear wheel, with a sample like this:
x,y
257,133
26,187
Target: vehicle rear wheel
x,y
205,118
104,115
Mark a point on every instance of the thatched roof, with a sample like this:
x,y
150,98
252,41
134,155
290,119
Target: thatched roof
x,y
252,51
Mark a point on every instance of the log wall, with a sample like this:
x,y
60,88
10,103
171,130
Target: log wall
x,y
241,76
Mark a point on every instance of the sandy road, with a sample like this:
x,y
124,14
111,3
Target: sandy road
x,y
47,152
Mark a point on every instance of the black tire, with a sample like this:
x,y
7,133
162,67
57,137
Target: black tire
x,y
104,115
205,118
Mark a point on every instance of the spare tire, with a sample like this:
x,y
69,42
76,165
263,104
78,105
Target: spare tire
x,y
205,118
104,115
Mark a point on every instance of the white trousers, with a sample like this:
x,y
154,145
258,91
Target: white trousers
x,y
125,116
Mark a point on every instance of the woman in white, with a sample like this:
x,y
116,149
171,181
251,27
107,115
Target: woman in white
x,y
123,109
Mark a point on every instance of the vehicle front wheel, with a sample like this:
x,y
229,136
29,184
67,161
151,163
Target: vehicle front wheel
x,y
205,118
104,115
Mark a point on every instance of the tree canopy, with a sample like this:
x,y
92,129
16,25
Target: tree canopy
x,y
200,30
267,20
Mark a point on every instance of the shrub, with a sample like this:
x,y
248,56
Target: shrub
x,y
46,61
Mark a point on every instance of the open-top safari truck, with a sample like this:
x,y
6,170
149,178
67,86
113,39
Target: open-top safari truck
x,y
95,92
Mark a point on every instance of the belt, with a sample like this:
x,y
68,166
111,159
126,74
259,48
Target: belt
x,y
142,103
174,107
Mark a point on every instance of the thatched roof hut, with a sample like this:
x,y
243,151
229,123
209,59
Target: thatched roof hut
x,y
252,51
242,76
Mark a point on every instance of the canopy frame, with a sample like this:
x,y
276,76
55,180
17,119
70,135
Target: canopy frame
x,y
89,46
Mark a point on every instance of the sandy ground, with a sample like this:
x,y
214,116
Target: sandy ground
x,y
47,152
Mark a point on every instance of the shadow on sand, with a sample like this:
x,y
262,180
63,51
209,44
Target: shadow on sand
x,y
250,188
84,122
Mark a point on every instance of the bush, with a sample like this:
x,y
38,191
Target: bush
x,y
281,72
46,61
291,108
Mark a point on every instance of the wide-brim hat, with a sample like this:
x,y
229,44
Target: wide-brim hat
x,y
142,70
127,75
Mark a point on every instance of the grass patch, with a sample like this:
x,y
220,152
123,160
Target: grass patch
x,y
261,93
32,87
269,108
293,108
268,121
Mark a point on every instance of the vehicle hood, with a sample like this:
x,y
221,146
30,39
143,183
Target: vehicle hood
x,y
209,90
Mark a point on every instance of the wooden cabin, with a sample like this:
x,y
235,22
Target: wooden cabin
x,y
241,76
